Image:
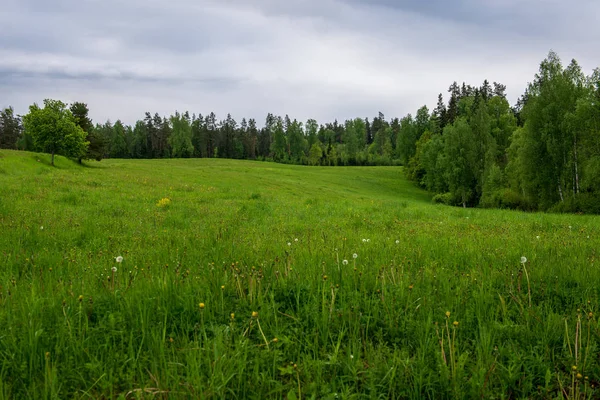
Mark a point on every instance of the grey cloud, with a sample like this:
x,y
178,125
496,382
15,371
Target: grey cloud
x,y
307,58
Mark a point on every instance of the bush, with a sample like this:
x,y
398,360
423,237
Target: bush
x,y
444,198
586,203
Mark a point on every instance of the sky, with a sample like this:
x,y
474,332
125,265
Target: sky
x,y
322,59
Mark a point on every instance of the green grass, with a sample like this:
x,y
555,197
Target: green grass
x,y
374,328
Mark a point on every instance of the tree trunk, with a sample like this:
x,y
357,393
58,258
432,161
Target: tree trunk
x,y
560,191
576,169
52,160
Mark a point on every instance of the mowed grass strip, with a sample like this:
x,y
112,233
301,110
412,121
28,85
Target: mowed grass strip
x,y
315,282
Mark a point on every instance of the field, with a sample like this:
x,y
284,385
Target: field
x,y
244,279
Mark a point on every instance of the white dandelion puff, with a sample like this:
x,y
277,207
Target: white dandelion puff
x,y
114,269
354,255
397,242
364,240
345,262
119,259
537,237
289,244
41,228
295,240
368,240
523,259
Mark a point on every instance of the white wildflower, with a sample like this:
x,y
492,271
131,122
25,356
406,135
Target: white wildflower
x,y
114,269
295,240
354,255
523,259
345,262
397,242
119,259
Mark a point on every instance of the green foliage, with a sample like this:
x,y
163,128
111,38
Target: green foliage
x,y
433,164
459,159
118,140
97,143
315,154
494,184
181,137
297,143
444,198
53,130
10,129
547,154
279,145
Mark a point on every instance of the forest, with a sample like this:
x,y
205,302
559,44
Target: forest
x,y
473,150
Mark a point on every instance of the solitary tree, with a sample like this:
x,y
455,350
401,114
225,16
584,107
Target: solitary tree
x,y
53,130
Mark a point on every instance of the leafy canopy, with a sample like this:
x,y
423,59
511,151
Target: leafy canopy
x,y
54,130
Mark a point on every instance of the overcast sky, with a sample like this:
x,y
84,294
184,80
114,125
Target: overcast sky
x,y
323,59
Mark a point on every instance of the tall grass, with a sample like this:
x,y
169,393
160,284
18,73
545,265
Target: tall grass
x,y
436,303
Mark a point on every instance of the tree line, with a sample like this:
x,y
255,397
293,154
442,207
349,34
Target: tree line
x,y
476,149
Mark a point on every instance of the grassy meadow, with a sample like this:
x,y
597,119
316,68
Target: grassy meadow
x,y
244,279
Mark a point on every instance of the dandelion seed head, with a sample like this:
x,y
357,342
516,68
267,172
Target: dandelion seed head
x,y
397,241
295,240
355,256
114,269
523,259
119,259
345,262
289,244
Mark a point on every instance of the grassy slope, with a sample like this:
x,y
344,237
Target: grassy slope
x,y
372,326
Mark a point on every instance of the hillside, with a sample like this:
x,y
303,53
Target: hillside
x,y
207,242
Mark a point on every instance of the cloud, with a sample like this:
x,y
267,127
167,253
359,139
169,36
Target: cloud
x,y
326,59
